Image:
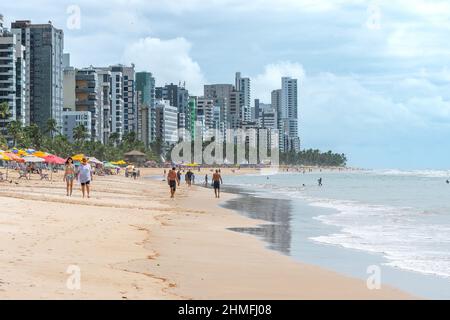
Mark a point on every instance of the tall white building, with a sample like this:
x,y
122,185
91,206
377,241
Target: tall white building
x,y
124,111
243,85
288,114
166,118
12,76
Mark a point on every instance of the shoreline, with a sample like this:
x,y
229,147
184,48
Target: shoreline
x,y
132,242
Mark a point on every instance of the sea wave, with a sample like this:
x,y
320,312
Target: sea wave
x,y
397,233
412,173
408,238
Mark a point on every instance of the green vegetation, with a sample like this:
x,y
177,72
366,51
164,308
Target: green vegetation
x,y
312,157
54,142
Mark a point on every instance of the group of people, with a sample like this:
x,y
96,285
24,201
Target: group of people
x,y
82,173
174,180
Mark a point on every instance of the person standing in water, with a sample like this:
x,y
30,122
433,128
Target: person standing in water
x,y
320,182
69,176
85,177
217,181
172,179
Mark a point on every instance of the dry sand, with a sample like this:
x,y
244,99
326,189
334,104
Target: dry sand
x,y
131,241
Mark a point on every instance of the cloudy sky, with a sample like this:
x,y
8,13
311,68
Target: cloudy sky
x,y
375,75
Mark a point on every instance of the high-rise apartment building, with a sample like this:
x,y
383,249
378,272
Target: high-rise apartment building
x,y
145,88
87,100
243,85
166,122
44,46
288,114
12,77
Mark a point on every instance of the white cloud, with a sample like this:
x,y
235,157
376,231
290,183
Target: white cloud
x,y
169,61
263,84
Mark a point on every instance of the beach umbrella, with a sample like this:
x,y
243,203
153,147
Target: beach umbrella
x,y
78,157
4,158
32,159
52,159
13,157
95,161
40,154
193,165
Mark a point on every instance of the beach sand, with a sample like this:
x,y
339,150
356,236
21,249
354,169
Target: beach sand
x,y
130,241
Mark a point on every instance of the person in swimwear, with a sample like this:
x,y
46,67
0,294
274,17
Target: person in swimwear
x,y
69,176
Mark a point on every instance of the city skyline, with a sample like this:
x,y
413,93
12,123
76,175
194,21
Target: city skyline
x,y
372,85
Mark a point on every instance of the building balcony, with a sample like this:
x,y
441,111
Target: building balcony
x,y
85,77
86,102
86,90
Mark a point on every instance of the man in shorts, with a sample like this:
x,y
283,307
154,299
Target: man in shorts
x,y
172,179
217,181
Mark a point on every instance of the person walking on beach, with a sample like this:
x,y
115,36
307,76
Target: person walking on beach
x,y
217,181
320,182
85,177
172,179
179,176
69,176
188,178
206,180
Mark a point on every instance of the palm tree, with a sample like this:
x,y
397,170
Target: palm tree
x,y
51,127
34,136
80,133
114,138
4,113
15,130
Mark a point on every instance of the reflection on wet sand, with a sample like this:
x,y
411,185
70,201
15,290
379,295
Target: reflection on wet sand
x,y
276,211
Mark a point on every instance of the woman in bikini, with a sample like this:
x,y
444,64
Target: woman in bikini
x,y
69,176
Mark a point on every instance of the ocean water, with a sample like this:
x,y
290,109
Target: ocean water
x,y
398,220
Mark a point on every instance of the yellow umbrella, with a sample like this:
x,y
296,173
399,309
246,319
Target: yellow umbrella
x,y
192,165
40,154
119,163
78,157
4,157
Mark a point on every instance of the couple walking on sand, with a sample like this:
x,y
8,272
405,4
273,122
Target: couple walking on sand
x,y
174,180
83,175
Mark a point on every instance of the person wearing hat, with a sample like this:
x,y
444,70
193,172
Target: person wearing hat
x,y
85,177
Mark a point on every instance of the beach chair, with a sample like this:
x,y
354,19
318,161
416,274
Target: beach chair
x,y
23,175
44,176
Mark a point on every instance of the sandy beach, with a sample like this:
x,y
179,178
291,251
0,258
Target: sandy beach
x,y
130,241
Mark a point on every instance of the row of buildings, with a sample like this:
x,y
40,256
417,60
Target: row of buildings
x,y
39,83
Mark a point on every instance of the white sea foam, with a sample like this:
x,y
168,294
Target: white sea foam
x,y
393,232
413,173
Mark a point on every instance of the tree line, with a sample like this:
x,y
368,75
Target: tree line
x,y
53,141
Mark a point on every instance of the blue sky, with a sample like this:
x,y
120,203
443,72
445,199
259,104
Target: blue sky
x,y
375,75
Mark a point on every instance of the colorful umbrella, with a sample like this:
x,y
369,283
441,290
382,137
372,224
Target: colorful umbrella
x,y
78,157
52,159
94,160
4,158
13,157
32,159
40,154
